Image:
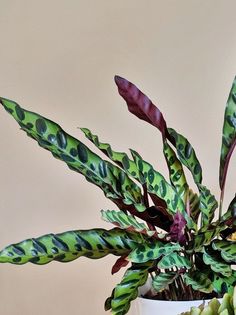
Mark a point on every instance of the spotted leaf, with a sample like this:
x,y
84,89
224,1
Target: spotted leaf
x,y
151,251
125,221
111,179
127,290
223,284
216,263
187,155
161,281
198,281
208,205
120,158
227,250
68,246
176,171
174,260
194,205
156,184
229,134
230,214
204,237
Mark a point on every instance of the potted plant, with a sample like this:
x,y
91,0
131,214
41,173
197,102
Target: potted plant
x,y
166,232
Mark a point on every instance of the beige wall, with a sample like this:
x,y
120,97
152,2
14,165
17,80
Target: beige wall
x,y
58,58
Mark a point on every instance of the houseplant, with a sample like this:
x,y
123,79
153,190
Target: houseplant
x,y
163,228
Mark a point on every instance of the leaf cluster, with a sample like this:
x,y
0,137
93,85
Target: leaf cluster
x,y
163,228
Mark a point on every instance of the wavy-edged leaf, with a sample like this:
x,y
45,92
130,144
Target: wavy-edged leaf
x,y
140,105
230,214
187,155
223,284
151,251
198,281
208,205
229,134
216,263
111,179
156,184
177,176
194,205
127,290
161,281
174,260
205,236
177,229
227,249
125,221
121,158
67,246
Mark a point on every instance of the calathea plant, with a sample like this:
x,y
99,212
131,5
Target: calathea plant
x,y
164,229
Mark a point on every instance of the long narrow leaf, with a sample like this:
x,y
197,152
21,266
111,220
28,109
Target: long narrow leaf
x,y
125,221
229,134
111,179
161,281
65,247
198,281
140,105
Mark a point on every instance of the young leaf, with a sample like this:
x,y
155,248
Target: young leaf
x,y
65,247
111,179
140,105
174,260
151,251
162,281
208,204
177,229
121,262
198,281
125,221
227,250
127,290
229,134
187,155
216,263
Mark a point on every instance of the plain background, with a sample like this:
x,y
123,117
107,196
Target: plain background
x,y
58,58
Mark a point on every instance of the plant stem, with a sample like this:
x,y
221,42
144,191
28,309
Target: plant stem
x,y
221,202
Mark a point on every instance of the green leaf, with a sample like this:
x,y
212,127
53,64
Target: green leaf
x,y
177,176
208,204
120,158
67,246
205,236
187,155
156,184
125,221
162,281
194,205
229,134
174,260
227,249
216,263
110,178
223,284
230,214
151,251
127,290
198,281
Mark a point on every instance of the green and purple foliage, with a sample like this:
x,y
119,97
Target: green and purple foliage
x,y
164,229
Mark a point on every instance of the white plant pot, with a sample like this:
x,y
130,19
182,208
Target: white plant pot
x,y
142,306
